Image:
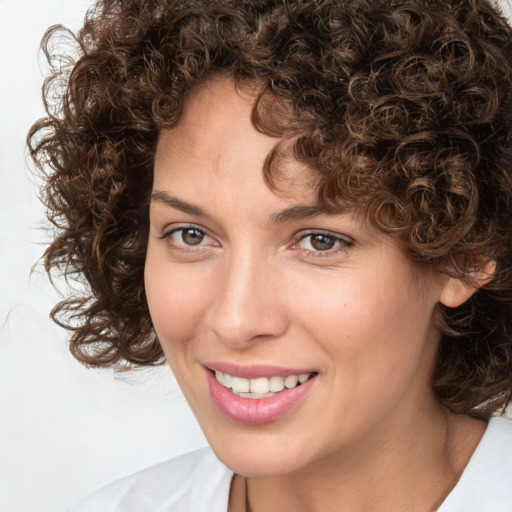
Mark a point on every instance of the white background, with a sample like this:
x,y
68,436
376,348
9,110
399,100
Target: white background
x,y
64,430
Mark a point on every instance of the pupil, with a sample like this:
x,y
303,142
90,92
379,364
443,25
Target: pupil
x,y
322,242
192,236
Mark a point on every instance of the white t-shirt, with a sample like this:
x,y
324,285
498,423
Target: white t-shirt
x,y
199,482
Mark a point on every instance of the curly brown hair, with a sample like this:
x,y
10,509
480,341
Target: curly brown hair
x,y
403,107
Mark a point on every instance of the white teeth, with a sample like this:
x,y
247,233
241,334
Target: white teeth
x,y
239,385
276,384
227,380
255,395
291,381
260,387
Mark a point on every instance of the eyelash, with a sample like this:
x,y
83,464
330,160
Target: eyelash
x,y
167,237
341,243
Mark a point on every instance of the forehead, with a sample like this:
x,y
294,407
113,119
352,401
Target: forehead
x,y
215,138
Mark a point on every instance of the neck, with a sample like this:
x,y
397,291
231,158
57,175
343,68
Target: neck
x,y
402,467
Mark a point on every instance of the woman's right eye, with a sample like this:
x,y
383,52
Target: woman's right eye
x,y
187,237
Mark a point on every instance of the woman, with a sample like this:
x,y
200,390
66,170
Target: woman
x,y
305,207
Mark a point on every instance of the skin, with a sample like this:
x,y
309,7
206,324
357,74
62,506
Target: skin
x,y
370,434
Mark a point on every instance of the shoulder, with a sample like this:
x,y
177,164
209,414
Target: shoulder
x,y
195,482
486,483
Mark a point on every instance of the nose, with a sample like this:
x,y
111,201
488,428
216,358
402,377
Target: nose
x,y
249,305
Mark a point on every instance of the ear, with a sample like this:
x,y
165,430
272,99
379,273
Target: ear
x,y
456,291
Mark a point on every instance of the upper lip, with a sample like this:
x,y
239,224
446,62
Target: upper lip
x,y
254,371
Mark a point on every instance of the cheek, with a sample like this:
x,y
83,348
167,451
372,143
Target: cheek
x,y
373,326
381,345
176,301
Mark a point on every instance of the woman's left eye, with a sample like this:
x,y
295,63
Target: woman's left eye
x,y
322,242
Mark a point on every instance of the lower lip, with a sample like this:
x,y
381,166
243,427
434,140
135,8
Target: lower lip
x,y
256,411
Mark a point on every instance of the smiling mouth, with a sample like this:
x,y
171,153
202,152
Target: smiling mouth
x,y
261,387
258,394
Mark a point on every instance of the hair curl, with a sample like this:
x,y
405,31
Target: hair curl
x,y
403,107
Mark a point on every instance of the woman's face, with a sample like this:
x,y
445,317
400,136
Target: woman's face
x,y
263,287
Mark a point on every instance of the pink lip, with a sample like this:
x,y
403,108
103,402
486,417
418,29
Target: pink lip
x,y
255,371
251,411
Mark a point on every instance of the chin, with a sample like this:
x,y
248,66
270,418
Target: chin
x,y
258,466
262,456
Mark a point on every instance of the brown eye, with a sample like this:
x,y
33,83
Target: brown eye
x,y
192,236
322,242
189,239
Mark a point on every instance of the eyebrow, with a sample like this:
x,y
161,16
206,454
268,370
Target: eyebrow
x,y
296,213
178,204
287,215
